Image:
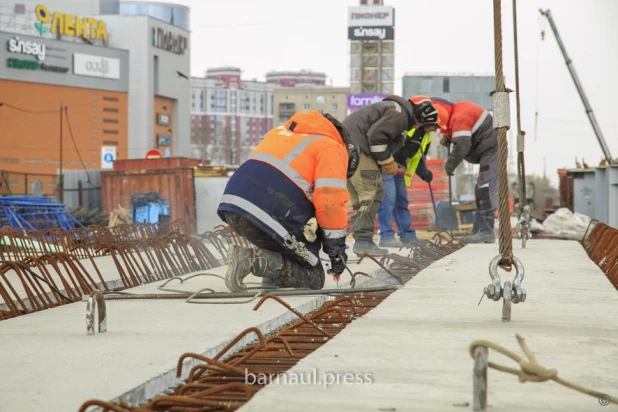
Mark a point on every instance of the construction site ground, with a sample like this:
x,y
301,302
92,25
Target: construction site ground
x,y
415,345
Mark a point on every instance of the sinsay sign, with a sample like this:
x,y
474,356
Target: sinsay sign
x,y
30,48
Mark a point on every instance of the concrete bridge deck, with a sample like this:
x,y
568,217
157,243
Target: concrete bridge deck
x,y
415,344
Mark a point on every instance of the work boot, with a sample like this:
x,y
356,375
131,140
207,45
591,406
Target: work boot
x,y
269,284
241,261
369,247
394,243
486,230
409,238
475,223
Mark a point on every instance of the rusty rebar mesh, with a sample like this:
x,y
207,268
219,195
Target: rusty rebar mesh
x,y
222,237
601,244
142,253
220,383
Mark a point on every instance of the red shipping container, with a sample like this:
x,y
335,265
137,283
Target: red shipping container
x,y
162,163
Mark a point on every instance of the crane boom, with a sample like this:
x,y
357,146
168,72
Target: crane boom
x,y
580,90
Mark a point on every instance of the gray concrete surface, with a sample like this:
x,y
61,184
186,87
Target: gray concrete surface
x,y
49,363
415,344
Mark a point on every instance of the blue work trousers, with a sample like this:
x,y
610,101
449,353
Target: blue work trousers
x,y
395,206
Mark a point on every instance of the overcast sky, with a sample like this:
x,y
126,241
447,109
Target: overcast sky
x,y
440,36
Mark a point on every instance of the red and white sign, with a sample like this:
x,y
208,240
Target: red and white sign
x,y
153,154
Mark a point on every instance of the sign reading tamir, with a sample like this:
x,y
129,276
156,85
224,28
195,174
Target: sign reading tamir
x,y
69,24
166,40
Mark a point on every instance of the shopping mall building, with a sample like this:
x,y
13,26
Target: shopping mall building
x,y
92,81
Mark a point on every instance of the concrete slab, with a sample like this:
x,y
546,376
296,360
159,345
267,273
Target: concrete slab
x,y
415,344
47,362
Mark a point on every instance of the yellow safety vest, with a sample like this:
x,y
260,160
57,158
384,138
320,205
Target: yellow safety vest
x,y
412,163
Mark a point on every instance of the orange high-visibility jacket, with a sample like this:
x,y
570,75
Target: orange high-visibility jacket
x,y
297,172
470,129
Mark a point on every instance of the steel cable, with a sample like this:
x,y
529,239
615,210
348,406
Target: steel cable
x,y
521,170
506,237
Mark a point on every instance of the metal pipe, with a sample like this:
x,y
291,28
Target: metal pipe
x,y
506,302
479,379
96,301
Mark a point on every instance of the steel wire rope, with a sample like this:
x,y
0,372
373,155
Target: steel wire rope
x,y
506,237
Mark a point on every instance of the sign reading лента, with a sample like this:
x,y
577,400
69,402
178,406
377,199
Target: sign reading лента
x,y
69,24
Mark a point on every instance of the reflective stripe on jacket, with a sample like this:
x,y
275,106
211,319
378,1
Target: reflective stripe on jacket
x,y
297,172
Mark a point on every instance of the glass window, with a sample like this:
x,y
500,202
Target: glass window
x,y
306,107
156,74
334,107
175,15
446,85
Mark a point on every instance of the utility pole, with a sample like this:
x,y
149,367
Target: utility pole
x,y
60,177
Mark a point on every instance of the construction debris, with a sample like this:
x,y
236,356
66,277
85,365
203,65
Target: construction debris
x,y
90,217
563,222
119,216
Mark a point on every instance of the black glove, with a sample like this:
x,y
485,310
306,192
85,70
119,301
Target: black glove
x,y
333,247
449,172
338,263
428,177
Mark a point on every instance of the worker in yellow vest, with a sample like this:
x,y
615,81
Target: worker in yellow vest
x,y
411,159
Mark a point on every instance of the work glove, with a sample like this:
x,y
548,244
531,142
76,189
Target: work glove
x,y
338,265
389,168
448,170
428,177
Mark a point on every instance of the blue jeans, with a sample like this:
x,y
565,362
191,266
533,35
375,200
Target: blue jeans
x,y
395,205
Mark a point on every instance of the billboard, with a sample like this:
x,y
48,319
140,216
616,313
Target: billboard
x,y
356,101
371,16
96,66
371,33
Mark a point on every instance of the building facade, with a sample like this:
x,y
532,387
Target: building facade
x,y
159,85
292,79
230,115
290,100
40,76
153,58
454,87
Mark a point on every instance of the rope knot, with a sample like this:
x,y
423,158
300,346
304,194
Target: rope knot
x,y
534,372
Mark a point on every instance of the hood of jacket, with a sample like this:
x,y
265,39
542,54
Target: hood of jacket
x,y
312,122
406,105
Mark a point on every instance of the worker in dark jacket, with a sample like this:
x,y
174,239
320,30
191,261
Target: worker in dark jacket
x,y
379,130
470,131
411,161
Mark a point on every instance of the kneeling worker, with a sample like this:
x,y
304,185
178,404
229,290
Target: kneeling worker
x,y
289,199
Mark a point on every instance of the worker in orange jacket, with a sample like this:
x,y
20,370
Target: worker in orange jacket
x,y
470,132
289,200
